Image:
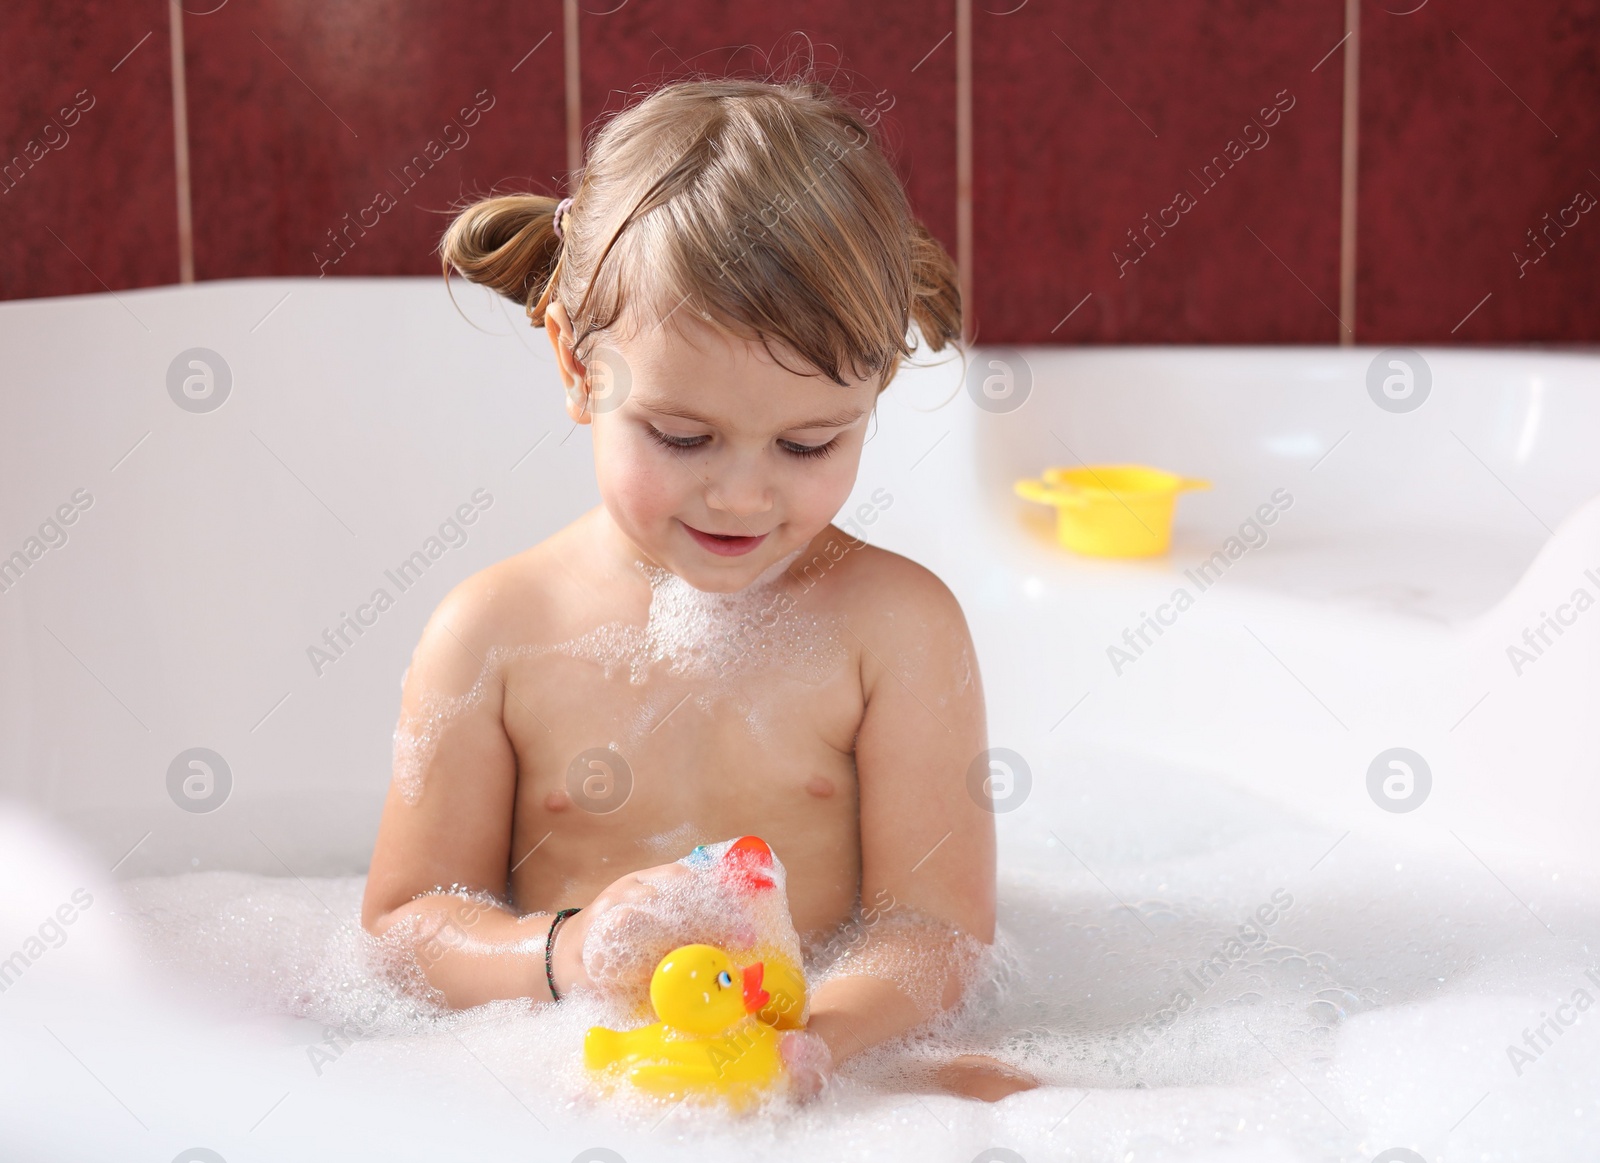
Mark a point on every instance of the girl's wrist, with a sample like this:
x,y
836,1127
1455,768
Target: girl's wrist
x,y
563,971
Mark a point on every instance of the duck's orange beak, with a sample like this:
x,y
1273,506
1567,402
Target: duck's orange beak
x,y
754,996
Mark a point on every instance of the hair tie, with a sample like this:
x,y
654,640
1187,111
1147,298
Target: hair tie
x,y
561,208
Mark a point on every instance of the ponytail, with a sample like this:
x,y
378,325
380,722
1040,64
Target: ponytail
x,y
507,243
767,209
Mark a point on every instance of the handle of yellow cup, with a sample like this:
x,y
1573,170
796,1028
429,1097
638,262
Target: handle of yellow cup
x,y
1193,483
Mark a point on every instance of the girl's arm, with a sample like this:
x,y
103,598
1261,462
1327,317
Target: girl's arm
x,y
458,829
447,823
927,844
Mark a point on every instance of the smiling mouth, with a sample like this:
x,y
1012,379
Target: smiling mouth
x,y
725,544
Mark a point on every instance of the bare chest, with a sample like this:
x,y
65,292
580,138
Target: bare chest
x,y
628,758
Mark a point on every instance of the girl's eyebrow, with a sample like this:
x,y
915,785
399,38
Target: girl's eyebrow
x,y
835,420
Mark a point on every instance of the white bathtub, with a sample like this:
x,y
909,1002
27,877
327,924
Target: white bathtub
x,y
210,550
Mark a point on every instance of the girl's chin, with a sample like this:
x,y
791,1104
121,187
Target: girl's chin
x,y
677,550
714,573
722,575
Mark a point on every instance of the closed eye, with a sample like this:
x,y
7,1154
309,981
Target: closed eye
x,y
662,438
793,448
807,451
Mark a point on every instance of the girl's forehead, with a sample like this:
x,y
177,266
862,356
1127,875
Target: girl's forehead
x,y
749,412
683,340
701,373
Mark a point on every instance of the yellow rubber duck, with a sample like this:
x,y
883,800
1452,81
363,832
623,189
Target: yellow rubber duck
x,y
707,1041
746,868
786,987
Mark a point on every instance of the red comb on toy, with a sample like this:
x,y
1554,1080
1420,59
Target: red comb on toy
x,y
748,864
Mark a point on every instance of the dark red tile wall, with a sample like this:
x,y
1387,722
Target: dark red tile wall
x,y
333,138
88,198
1091,120
1088,117
1477,121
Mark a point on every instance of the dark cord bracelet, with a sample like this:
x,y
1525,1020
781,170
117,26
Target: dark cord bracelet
x,y
549,950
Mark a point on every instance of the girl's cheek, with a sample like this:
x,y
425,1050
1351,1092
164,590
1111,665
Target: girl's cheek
x,y
830,490
645,487
823,499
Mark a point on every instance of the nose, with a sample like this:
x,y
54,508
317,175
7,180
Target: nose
x,y
740,489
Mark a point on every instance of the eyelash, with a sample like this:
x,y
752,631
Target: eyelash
x,y
815,452
680,443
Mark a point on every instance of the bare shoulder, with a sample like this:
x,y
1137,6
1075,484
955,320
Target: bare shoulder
x,y
890,602
500,607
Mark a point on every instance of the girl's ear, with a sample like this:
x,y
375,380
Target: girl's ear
x,y
574,375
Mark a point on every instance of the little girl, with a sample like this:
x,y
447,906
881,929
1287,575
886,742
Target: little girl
x,y
704,656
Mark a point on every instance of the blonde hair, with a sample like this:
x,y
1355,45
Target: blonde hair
x,y
766,208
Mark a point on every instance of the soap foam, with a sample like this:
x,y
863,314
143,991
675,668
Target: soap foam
x,y
715,637
710,642
693,903
417,735
1373,1011
907,948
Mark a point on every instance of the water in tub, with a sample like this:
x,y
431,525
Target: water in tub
x,y
1189,973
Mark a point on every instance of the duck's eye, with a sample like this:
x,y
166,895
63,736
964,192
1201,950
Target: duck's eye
x,y
724,979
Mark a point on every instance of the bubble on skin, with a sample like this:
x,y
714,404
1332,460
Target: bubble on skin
x,y
705,635
672,843
481,897
906,947
416,735
966,668
712,640
623,946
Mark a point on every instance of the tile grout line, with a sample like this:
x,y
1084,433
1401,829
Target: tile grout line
x,y
964,164
964,161
1347,175
574,93
180,144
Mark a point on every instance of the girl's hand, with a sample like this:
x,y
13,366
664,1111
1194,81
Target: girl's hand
x,y
980,1076
630,930
809,1062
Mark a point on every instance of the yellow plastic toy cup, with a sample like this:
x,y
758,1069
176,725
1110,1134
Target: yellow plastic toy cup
x,y
1111,510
